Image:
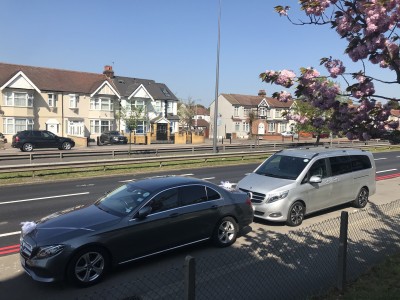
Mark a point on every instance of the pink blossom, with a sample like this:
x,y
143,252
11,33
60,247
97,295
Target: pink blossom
x,y
285,78
335,67
284,96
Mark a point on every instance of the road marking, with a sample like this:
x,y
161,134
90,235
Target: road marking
x,y
209,178
10,233
380,158
386,171
9,249
129,180
187,174
43,198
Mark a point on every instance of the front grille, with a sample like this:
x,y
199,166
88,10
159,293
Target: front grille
x,y
254,196
26,249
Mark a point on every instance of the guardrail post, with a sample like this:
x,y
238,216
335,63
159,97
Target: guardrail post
x,y
113,153
342,257
190,278
61,156
30,158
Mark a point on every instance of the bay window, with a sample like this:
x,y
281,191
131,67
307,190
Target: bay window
x,y
13,125
99,126
22,99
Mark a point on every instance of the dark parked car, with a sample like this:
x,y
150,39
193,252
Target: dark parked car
x,y
392,136
113,137
136,220
27,140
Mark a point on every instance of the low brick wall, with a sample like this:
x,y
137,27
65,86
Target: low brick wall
x,y
79,140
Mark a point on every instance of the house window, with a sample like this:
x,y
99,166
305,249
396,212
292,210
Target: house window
x,y
21,99
262,111
157,106
141,127
137,104
99,126
282,127
271,127
13,125
236,111
51,100
269,114
76,128
237,126
105,104
170,107
246,127
278,113
246,112
73,101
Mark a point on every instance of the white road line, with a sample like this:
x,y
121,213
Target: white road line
x,y
186,175
386,171
380,158
43,198
129,180
10,233
209,178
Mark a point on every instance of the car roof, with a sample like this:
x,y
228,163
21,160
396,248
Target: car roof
x,y
153,184
320,151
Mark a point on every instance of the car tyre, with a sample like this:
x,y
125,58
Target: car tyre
x,y
296,214
66,146
27,147
362,198
88,266
225,232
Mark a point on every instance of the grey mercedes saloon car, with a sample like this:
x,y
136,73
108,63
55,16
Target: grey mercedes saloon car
x,y
135,220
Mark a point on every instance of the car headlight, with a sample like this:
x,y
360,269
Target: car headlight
x,y
277,196
49,251
115,138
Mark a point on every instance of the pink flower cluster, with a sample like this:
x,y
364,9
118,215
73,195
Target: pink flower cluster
x,y
335,67
364,88
285,78
284,96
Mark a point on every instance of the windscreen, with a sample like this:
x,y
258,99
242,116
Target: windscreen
x,y
283,166
123,200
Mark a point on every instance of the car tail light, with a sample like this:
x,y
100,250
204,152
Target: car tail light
x,y
248,201
17,139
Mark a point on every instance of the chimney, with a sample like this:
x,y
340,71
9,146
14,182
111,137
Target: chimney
x,y
108,71
262,93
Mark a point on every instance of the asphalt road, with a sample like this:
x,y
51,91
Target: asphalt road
x,y
29,202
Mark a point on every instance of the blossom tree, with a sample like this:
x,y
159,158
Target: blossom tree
x,y
370,28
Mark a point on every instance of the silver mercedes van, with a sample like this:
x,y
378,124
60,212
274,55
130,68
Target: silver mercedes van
x,y
295,182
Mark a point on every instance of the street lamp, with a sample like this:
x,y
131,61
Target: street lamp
x,y
215,133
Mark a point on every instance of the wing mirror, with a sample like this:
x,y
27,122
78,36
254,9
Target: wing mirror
x,y
143,212
315,179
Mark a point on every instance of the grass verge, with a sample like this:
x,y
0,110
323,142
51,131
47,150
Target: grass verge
x,y
380,282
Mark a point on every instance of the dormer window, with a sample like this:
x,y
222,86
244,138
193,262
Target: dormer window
x,y
73,101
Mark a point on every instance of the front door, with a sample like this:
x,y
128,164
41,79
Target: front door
x,y
162,132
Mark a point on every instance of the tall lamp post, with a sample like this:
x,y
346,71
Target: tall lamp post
x,y
215,133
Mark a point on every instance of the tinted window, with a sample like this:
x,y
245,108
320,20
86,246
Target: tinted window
x,y
164,201
212,194
192,194
37,134
318,169
360,162
340,165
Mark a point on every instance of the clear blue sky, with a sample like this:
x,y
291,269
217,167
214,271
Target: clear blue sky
x,y
173,42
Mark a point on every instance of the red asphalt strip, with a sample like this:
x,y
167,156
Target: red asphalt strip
x,y
9,249
15,248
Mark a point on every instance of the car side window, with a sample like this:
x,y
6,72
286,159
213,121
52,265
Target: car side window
x,y
212,194
36,134
192,194
164,201
340,165
319,169
360,162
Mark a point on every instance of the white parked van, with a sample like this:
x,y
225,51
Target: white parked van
x,y
295,182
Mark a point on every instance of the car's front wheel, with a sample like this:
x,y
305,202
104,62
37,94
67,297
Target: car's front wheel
x,y
27,147
88,266
362,198
225,233
296,214
66,146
